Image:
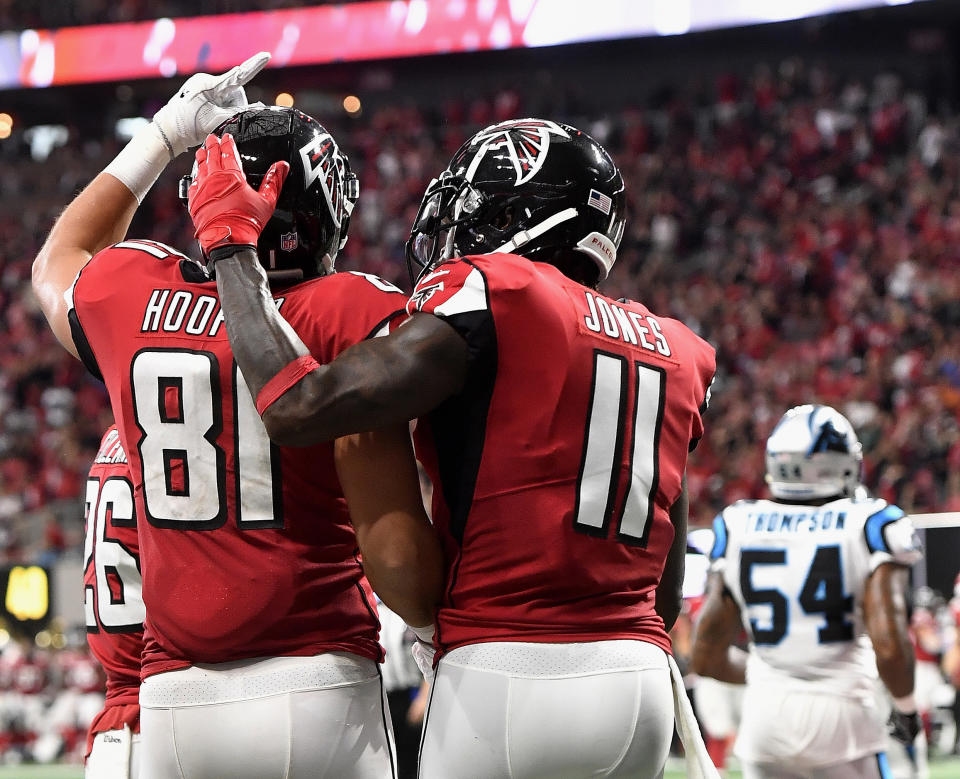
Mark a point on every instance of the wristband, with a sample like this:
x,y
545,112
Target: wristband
x,y
283,380
222,252
425,634
141,161
906,704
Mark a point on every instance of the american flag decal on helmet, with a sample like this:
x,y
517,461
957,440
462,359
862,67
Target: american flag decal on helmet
x,y
599,201
525,142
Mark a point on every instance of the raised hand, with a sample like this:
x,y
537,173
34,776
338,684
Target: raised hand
x,y
203,103
226,211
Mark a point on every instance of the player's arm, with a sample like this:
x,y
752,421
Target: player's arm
x,y
100,215
885,619
714,653
894,547
402,556
669,599
376,383
379,382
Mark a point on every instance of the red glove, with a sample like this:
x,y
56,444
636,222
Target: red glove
x,y
226,211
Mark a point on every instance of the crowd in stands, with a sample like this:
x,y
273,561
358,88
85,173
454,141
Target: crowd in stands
x,y
804,222
808,226
47,699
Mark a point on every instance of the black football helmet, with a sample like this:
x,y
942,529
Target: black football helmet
x,y
530,186
312,218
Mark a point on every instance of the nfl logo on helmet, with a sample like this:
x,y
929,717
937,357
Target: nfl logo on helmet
x,y
288,241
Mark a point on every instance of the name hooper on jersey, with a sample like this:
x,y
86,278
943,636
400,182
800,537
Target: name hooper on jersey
x,y
184,312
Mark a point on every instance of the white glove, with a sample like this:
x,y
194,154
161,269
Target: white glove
x,y
423,655
203,103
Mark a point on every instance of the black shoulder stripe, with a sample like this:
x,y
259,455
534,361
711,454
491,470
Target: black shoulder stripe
x,y
386,320
192,272
83,345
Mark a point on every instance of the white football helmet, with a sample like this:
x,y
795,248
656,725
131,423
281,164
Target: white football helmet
x,y
813,453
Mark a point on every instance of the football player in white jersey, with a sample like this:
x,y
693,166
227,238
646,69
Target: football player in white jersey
x,y
817,574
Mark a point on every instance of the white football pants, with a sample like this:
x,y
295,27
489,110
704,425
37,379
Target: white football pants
x,y
524,710
869,767
271,718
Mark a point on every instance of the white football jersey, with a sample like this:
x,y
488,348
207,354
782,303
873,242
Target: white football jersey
x,y
798,573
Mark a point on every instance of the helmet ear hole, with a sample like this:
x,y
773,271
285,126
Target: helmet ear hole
x,y
504,218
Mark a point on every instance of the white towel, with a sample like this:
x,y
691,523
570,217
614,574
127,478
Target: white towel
x,y
699,764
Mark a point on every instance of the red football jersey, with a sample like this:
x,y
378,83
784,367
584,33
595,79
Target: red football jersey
x,y
247,547
554,469
111,574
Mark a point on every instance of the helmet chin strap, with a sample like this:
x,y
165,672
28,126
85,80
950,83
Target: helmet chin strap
x,y
524,237
327,263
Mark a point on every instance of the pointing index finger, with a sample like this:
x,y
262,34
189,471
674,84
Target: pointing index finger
x,y
246,70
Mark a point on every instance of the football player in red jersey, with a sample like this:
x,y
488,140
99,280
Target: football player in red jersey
x,y
555,424
261,652
114,610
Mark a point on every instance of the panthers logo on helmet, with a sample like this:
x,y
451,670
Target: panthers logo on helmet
x,y
321,161
525,142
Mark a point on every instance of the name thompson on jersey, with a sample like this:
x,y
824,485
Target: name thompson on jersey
x,y
797,574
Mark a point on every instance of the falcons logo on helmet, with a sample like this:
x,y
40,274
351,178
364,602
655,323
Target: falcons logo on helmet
x,y
321,161
524,141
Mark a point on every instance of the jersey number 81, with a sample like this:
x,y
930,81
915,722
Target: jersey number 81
x,y
178,406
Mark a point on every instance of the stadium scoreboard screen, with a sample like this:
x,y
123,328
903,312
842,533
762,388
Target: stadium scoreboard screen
x,y
26,603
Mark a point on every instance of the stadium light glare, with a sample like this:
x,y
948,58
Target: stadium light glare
x,y
44,138
378,29
284,99
127,127
672,17
351,104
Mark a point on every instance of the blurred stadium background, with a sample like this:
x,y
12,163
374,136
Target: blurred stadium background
x,y
792,169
